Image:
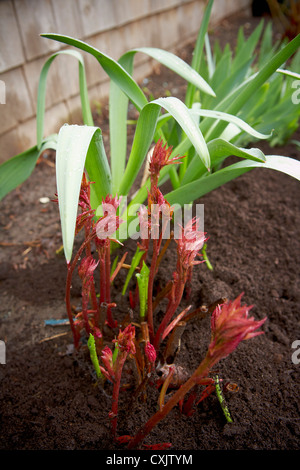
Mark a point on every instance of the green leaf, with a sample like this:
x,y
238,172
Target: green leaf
x,y
222,401
113,69
41,98
118,110
289,73
142,140
93,355
232,105
219,115
226,87
209,57
219,149
177,65
134,263
145,131
143,280
78,146
198,188
246,50
266,49
222,70
198,51
240,40
17,169
98,170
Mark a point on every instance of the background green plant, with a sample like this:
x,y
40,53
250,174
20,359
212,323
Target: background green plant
x,y
231,100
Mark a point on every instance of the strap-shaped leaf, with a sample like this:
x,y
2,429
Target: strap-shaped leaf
x,y
289,73
141,195
77,147
17,169
143,281
246,50
134,263
177,65
145,130
198,51
219,149
198,188
235,104
118,110
118,102
113,69
209,57
41,98
196,166
192,191
240,123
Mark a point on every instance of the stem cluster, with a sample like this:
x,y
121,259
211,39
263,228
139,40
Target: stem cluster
x,y
143,340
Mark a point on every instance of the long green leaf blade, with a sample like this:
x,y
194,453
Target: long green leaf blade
x,y
143,281
98,170
41,97
118,110
198,51
246,51
219,115
198,188
177,65
253,84
134,263
188,124
143,137
141,195
145,131
17,169
219,149
119,102
289,73
113,69
76,146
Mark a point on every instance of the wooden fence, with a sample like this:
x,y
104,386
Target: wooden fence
x,y
113,26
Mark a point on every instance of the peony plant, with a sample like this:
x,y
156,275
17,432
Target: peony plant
x,y
229,103
141,343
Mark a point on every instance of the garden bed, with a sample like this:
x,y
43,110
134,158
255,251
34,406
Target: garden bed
x,y
49,396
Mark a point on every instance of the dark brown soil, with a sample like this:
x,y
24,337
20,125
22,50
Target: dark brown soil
x,y
49,397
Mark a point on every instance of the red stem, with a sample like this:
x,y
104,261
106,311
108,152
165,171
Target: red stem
x,y
85,301
95,304
168,316
153,269
118,267
116,390
150,288
110,319
88,247
71,267
101,255
187,409
69,308
200,372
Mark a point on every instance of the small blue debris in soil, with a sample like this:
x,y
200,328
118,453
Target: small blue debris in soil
x,y
55,322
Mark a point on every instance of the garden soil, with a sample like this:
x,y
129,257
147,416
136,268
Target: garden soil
x,y
50,399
